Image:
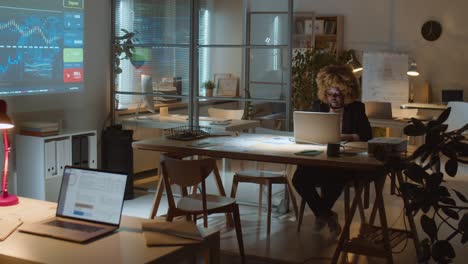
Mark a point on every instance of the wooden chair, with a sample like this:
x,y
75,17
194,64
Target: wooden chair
x,y
264,178
188,173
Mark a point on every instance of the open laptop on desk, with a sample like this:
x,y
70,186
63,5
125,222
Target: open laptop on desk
x,y
90,205
316,127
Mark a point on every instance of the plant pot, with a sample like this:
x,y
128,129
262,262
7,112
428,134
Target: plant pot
x,y
209,92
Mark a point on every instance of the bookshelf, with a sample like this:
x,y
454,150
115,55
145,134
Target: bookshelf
x,y
324,33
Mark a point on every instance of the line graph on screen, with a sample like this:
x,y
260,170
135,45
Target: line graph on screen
x,y
41,48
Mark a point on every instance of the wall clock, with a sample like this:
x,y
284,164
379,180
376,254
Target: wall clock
x,y
431,30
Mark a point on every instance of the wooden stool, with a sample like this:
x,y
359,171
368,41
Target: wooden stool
x,y
263,178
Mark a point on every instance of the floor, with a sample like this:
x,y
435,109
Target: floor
x,y
285,245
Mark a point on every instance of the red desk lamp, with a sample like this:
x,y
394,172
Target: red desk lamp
x,y
6,123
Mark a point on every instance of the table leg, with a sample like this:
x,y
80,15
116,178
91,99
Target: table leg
x,y
379,184
410,218
157,197
345,231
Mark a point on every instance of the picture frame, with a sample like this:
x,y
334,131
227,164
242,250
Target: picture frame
x,y
218,76
228,87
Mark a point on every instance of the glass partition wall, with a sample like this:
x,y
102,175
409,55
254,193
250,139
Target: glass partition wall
x,y
192,55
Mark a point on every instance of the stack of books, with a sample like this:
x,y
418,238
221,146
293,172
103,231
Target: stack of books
x,y
39,129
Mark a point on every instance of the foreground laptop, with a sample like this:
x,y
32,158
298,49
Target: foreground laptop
x,y
90,205
316,127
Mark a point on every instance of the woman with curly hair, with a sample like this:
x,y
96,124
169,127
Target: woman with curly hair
x,y
338,90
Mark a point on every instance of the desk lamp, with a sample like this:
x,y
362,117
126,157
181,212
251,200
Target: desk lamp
x,y
354,64
412,72
6,123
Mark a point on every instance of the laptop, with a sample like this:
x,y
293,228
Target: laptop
x,y
316,127
89,206
379,110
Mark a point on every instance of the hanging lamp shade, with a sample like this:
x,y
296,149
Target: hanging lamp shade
x,y
413,69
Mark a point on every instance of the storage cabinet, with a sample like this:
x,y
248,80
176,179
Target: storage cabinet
x,y
40,161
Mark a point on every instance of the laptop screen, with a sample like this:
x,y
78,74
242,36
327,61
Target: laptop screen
x,y
92,195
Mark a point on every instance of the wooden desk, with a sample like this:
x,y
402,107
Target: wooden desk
x,y
127,245
281,149
172,121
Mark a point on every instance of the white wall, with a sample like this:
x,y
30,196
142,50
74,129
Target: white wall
x,y
395,25
84,110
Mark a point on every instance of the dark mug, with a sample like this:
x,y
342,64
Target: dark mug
x,y
333,149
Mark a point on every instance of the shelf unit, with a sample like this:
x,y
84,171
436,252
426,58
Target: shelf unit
x,y
40,161
321,32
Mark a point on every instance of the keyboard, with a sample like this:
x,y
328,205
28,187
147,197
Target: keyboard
x,y
74,226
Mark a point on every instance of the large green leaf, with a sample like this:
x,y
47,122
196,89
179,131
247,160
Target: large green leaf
x,y
451,167
414,130
444,115
450,212
460,196
416,173
429,227
442,251
463,227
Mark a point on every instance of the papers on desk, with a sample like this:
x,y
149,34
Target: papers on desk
x,y
8,226
170,233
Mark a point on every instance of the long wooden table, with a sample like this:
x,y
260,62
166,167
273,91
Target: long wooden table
x,y
127,245
282,149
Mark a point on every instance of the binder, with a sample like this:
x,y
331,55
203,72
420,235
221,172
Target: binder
x,y
84,152
63,155
50,159
76,155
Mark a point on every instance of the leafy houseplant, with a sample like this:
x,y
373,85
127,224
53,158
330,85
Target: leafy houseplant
x,y
123,49
209,87
424,187
306,64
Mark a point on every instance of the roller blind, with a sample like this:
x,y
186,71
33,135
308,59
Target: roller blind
x,y
162,32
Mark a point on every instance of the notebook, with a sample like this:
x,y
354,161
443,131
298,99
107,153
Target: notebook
x,y
316,127
89,206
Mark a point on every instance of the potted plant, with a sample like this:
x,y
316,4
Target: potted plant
x,y
124,49
424,186
209,87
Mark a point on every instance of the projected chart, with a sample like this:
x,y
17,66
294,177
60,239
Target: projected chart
x,y
41,48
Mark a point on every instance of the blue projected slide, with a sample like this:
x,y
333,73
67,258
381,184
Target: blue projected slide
x,y
41,46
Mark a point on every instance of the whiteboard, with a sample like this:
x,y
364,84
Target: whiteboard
x,y
384,78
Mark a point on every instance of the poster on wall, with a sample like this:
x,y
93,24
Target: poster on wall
x,y
384,78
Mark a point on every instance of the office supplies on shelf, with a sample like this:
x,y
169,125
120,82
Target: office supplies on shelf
x,y
96,211
39,129
8,226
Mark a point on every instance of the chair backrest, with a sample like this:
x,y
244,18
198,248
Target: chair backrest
x,y
186,173
380,110
226,113
458,115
